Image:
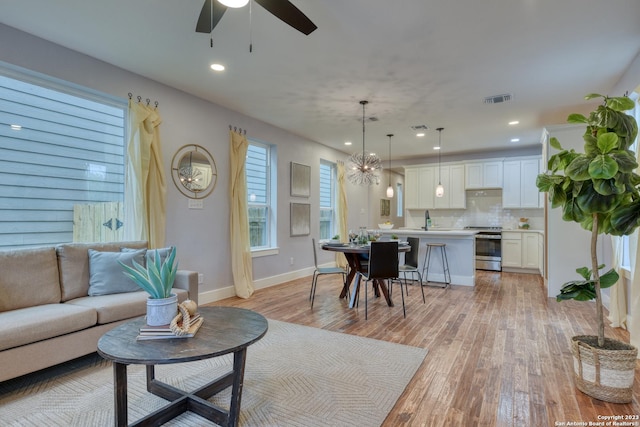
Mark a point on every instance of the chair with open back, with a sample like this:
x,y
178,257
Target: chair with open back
x,y
322,270
410,265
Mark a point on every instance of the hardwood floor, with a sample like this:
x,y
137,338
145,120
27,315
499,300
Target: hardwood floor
x,y
499,353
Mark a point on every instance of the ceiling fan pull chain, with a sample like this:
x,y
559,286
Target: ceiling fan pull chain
x,y
211,32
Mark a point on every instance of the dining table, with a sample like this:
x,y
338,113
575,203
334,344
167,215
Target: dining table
x,y
354,255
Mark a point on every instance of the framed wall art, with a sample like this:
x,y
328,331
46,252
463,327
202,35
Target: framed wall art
x,y
300,219
300,180
385,207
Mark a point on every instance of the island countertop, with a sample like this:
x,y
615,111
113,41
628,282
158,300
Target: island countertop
x,y
460,252
432,232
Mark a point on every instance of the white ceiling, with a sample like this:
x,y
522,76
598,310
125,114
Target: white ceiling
x,y
416,61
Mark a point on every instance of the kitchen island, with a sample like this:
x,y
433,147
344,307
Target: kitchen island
x,y
461,252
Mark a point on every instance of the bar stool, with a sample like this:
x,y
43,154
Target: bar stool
x,y
445,263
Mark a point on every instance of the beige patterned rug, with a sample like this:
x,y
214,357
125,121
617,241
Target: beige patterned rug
x,y
295,376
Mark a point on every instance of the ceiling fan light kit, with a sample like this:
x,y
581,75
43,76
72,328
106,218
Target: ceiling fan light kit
x,y
234,3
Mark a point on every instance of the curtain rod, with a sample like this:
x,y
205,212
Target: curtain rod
x,y
140,100
238,130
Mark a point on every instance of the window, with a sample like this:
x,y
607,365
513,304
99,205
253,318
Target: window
x,y
260,193
61,148
327,200
399,200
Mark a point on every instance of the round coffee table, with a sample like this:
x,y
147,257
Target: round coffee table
x,y
224,330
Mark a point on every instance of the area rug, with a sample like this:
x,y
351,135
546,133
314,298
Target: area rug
x,y
295,376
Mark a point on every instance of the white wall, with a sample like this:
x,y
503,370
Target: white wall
x,y
201,236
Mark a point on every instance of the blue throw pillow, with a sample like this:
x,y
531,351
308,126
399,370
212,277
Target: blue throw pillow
x,y
106,274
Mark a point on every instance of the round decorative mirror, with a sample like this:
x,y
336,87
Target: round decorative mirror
x,y
194,171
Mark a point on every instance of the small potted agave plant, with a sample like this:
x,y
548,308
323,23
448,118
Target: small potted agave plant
x,y
157,280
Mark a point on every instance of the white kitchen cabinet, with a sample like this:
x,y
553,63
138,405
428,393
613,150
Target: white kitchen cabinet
x,y
420,187
483,174
411,188
521,250
519,184
511,249
452,179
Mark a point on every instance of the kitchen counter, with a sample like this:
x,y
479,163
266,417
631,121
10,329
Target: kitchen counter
x,y
461,252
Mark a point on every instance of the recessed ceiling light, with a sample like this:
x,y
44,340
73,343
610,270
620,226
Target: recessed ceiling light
x,y
420,134
372,153
217,67
347,143
515,139
437,147
514,122
16,127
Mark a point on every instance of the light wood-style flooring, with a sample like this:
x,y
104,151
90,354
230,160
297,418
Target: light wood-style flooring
x,y
499,353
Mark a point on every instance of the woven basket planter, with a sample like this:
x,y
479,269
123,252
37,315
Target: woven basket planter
x,y
606,374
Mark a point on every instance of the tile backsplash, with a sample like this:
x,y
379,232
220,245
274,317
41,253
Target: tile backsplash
x,y
484,208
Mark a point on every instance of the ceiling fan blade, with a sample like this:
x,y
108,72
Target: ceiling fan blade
x,y
205,23
289,14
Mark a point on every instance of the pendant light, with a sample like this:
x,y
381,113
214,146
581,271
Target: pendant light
x,y
439,187
363,167
234,3
389,188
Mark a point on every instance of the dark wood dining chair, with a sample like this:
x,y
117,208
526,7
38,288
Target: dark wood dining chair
x,y
410,265
383,265
319,271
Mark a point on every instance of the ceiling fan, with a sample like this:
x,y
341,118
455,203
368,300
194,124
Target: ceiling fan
x,y
212,11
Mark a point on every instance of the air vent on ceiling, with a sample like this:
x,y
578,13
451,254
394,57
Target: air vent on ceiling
x,y
420,127
496,99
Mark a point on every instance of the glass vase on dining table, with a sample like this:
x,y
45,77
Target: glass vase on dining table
x,y
352,237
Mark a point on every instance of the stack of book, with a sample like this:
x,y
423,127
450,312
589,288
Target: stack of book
x,y
163,332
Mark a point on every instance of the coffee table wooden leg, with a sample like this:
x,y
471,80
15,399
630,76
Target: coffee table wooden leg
x,y
239,359
120,394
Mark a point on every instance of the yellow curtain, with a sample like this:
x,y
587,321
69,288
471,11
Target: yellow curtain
x,y
145,185
343,212
241,263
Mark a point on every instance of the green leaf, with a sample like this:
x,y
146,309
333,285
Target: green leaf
x,y
603,167
571,211
578,169
593,95
557,196
607,142
584,272
576,118
625,219
607,187
625,159
553,141
609,279
621,103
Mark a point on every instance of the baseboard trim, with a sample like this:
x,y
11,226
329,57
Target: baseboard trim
x,y
267,282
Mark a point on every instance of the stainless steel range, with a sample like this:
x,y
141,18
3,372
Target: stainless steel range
x,y
488,248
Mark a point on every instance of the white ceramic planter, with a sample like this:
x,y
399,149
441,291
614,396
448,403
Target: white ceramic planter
x,y
161,311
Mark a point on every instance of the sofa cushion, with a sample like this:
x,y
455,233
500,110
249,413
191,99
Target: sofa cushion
x,y
73,263
31,324
29,277
111,308
106,275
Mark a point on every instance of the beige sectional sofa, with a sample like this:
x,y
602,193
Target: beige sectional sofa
x,y
47,315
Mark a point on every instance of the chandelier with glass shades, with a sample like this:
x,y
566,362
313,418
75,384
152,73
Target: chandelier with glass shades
x,y
364,167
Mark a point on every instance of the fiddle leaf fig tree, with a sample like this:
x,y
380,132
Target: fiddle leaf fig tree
x,y
597,189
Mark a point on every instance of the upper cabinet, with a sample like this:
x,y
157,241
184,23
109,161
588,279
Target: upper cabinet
x,y
420,187
519,190
485,174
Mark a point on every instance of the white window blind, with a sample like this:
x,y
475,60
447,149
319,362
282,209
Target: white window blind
x,y
257,172
56,151
327,199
